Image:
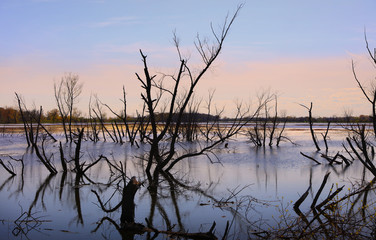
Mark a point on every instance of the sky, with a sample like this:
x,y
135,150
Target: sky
x,y
300,50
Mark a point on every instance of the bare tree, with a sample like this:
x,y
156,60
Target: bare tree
x,y
131,132
280,135
190,126
67,92
361,146
370,95
101,116
92,126
311,125
325,136
266,124
210,123
21,106
274,121
143,125
164,153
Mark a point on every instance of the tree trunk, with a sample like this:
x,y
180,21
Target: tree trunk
x,y
128,206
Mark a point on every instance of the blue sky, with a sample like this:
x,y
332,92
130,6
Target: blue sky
x,y
300,49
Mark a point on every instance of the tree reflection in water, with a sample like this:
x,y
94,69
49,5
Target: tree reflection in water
x,y
172,203
162,186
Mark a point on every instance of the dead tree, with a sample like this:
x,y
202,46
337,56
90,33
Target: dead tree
x,y
274,121
370,95
62,158
266,124
131,133
324,136
79,167
362,148
280,135
77,153
128,206
128,228
178,93
190,126
20,106
67,92
210,123
100,116
258,133
92,128
42,156
311,125
29,118
143,123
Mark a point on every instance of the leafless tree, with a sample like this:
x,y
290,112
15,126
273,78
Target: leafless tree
x,y
361,145
311,125
190,126
92,126
274,121
257,133
22,107
143,124
280,135
371,94
100,116
211,124
67,92
131,131
267,125
325,136
179,91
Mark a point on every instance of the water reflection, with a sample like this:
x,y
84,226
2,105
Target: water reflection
x,y
163,186
240,191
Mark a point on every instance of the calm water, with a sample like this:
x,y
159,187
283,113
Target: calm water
x,y
248,188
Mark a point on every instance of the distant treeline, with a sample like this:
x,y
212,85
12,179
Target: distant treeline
x,y
352,119
12,115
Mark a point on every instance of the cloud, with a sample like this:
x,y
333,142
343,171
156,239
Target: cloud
x,y
116,21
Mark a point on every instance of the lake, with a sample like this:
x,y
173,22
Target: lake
x,y
246,186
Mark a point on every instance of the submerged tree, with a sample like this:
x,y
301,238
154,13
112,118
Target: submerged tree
x,y
268,126
314,139
177,90
66,93
371,94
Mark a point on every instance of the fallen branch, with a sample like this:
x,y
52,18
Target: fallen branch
x,y
301,199
331,160
328,199
310,158
320,190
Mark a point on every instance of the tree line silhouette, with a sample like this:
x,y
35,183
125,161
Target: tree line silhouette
x,y
9,115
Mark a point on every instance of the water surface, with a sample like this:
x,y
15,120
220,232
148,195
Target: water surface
x,y
247,186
